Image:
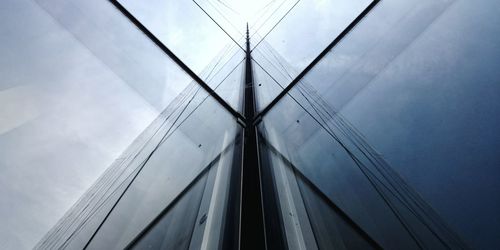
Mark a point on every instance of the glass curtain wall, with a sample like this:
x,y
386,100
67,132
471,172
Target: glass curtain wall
x,y
397,123
121,123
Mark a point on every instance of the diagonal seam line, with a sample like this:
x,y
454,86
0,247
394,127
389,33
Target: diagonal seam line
x,y
178,61
258,117
365,173
119,174
184,191
322,195
216,24
267,18
228,7
134,157
142,165
223,16
259,14
267,73
276,24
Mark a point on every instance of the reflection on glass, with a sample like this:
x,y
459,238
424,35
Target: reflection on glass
x,y
419,80
183,27
175,228
315,221
331,230
350,173
268,17
79,224
231,87
199,215
73,96
409,98
307,29
266,85
225,15
159,181
225,75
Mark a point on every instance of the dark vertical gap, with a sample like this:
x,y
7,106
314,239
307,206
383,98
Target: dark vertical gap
x,y
252,223
273,220
232,223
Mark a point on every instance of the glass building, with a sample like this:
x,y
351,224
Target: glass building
x,y
267,124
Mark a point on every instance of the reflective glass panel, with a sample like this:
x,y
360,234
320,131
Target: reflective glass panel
x,y
306,28
183,27
419,81
174,230
336,159
225,75
79,83
195,139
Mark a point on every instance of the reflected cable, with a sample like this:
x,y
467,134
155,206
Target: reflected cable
x,y
137,174
110,176
362,168
318,58
357,161
167,135
93,209
276,24
224,16
348,131
267,19
179,62
218,25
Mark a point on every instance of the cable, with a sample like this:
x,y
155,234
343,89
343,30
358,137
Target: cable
x,y
218,25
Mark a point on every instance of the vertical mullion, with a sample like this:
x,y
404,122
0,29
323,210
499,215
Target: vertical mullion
x,y
252,217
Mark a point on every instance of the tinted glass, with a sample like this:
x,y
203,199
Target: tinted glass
x,y
334,157
183,27
193,140
419,80
225,75
73,96
175,228
307,28
266,85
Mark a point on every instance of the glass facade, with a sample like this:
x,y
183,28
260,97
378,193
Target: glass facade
x,y
291,124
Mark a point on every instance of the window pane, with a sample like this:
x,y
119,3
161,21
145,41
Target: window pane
x,y
192,142
419,80
307,29
349,172
73,96
266,84
225,75
332,231
183,27
174,230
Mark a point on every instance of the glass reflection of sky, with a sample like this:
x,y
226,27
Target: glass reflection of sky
x,y
418,78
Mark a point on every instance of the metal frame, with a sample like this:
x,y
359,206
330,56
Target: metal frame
x,y
251,218
181,64
241,118
324,197
252,231
160,216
